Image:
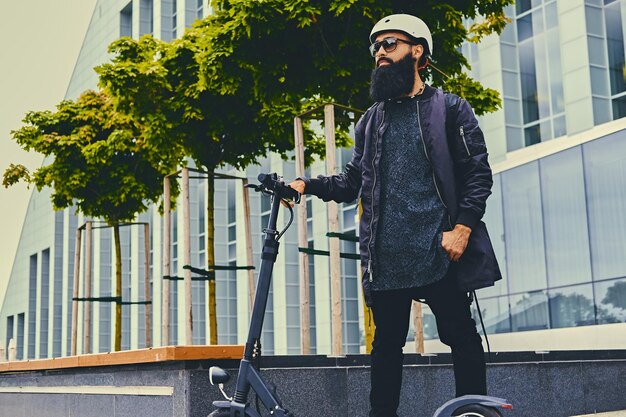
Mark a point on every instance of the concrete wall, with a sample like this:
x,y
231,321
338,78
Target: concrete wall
x,y
557,384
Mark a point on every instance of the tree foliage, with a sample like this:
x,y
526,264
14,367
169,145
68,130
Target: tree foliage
x,y
96,159
281,51
227,91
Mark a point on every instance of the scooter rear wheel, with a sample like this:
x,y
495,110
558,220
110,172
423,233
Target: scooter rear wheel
x,y
476,410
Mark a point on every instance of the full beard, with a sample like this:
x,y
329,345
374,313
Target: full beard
x,y
394,80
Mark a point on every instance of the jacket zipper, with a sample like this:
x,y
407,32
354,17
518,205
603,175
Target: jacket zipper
x,y
462,132
419,124
369,245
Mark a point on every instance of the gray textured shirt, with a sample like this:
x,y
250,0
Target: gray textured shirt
x,y
412,217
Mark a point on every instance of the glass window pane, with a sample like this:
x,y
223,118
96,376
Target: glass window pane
x,y
599,82
529,82
556,72
605,177
572,307
514,139
523,228
611,301
565,218
560,128
552,16
601,110
495,224
510,69
511,84
522,5
541,76
537,17
532,135
529,311
512,112
509,57
619,107
508,34
495,312
524,28
597,51
593,18
615,47
546,130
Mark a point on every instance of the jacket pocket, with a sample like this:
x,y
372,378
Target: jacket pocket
x,y
478,266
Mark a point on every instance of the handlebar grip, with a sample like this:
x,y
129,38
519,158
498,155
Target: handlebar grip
x,y
268,179
292,194
272,182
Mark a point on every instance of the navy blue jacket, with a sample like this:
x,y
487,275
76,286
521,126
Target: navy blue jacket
x,y
461,172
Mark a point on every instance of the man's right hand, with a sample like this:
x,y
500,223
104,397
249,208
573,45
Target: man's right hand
x,y
297,185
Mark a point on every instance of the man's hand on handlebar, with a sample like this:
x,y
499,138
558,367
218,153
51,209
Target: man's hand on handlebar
x,y
297,185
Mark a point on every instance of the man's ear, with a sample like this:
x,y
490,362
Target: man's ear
x,y
418,50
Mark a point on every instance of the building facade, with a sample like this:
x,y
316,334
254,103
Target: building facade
x,y
555,216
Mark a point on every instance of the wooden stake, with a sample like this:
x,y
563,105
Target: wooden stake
x,y
418,326
248,232
77,248
303,242
88,270
118,286
368,319
333,227
187,258
167,244
210,224
148,293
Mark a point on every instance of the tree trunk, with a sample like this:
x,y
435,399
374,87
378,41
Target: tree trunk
x,y
118,286
211,257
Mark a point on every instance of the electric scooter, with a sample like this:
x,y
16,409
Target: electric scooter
x,y
249,377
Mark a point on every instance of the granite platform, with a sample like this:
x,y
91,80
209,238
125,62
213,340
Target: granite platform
x,y
538,384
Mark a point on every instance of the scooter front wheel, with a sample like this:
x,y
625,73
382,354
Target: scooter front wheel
x,y
476,410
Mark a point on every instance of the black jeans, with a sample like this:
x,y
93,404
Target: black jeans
x,y
456,327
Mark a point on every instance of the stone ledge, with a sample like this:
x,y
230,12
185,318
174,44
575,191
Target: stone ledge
x,y
150,355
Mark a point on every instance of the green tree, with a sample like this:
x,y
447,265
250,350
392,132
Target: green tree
x,y
99,163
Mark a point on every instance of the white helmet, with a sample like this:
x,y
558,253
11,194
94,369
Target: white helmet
x,y
411,25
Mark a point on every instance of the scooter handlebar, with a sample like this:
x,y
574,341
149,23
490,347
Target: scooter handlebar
x,y
275,184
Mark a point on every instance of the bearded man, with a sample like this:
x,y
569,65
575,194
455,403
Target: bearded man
x,y
420,168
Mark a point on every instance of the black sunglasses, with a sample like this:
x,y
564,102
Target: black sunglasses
x,y
389,44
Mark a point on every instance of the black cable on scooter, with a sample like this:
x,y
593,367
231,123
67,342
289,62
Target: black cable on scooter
x,y
290,220
482,324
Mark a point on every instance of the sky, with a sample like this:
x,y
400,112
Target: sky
x,y
39,45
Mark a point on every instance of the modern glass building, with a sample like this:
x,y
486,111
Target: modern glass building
x,y
555,216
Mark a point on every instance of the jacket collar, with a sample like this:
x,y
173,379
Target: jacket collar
x,y
426,95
